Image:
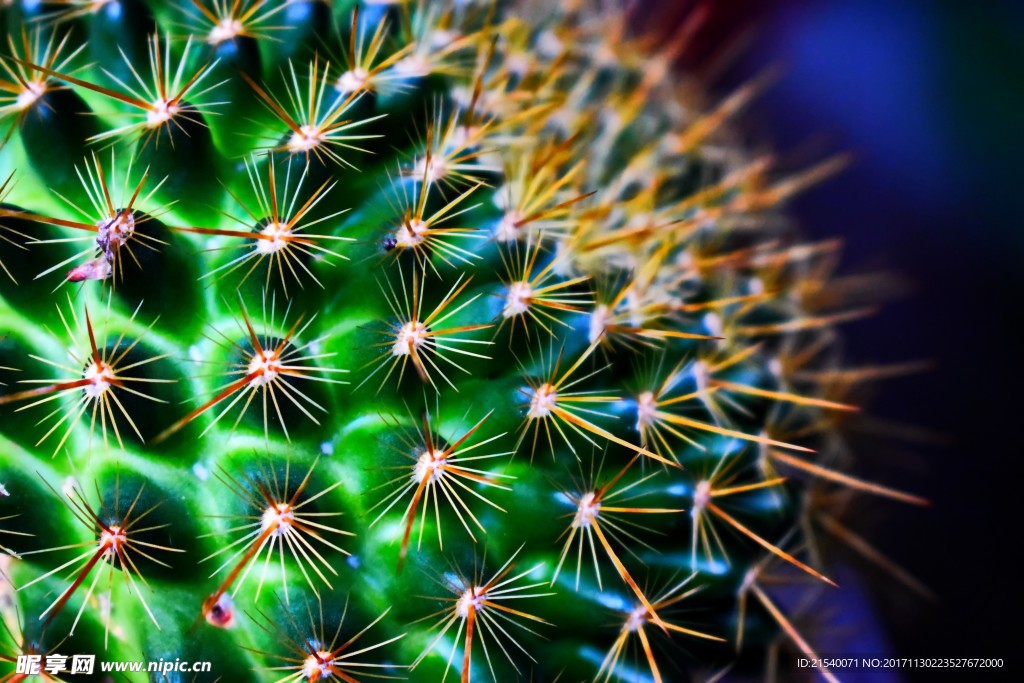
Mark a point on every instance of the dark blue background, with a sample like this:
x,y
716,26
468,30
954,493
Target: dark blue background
x,y
929,97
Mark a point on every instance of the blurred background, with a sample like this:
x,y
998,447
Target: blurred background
x,y
928,96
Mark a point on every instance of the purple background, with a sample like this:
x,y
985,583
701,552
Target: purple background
x,y
929,96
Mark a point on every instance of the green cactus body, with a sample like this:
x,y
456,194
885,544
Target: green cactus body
x,y
414,339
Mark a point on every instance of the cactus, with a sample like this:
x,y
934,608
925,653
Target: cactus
x,y
405,339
